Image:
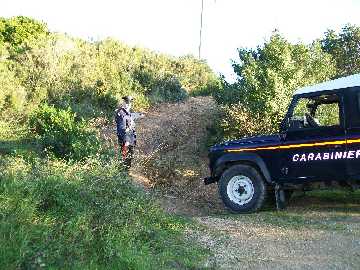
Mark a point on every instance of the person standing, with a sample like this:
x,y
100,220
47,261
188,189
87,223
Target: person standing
x,y
125,127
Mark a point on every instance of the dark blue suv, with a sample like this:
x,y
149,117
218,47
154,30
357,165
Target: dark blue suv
x,y
318,144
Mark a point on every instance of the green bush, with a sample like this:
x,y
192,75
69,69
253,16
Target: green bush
x,y
20,32
88,77
238,121
228,93
267,79
87,215
12,93
60,133
169,90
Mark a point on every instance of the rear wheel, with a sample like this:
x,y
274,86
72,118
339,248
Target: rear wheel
x,y
242,189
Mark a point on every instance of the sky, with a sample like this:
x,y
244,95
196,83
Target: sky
x,y
173,26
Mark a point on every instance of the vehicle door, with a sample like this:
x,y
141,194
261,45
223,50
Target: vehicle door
x,y
352,110
315,140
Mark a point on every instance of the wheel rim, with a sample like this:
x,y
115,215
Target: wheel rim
x,y
240,189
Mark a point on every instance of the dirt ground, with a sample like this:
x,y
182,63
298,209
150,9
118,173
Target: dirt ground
x,y
314,232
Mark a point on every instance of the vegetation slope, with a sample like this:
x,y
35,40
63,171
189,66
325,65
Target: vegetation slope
x,y
65,200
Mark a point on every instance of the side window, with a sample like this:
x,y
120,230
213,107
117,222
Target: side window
x,y
316,112
328,115
301,108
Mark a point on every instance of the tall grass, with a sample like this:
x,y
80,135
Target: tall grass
x,y
84,215
76,208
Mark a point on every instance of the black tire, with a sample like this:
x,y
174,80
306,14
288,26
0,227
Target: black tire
x,y
251,189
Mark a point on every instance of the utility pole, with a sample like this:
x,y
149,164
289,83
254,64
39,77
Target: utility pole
x,y
201,25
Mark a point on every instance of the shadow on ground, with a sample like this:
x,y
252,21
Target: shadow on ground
x,y
19,146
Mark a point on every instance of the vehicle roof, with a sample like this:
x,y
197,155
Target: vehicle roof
x,y
344,82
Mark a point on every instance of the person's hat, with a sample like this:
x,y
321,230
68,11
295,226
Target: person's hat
x,y
128,99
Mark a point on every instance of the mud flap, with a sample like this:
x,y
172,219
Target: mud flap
x,y
280,197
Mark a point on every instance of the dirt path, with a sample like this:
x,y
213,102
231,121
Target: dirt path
x,y
252,244
312,233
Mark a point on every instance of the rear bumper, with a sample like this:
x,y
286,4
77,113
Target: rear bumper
x,y
209,180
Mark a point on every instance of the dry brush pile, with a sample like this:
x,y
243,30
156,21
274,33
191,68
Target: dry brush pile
x,y
172,150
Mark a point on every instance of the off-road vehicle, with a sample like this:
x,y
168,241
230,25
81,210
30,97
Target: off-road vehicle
x,y
318,143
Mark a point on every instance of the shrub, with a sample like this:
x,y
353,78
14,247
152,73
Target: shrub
x,y
60,133
86,215
228,93
20,31
238,121
89,77
12,93
169,90
266,80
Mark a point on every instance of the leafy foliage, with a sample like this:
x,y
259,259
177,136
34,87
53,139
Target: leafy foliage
x,y
85,79
267,78
344,48
269,74
86,215
89,77
238,121
169,89
60,133
19,32
12,93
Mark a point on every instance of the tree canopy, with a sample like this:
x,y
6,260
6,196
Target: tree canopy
x,y
268,75
344,47
37,66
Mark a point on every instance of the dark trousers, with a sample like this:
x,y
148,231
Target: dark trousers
x,y
127,153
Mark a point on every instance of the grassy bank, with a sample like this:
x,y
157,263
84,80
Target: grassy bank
x,y
84,215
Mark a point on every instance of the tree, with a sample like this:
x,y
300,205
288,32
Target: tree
x,y
19,32
266,79
268,76
344,48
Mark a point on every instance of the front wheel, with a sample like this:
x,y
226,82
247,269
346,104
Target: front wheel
x,y
242,189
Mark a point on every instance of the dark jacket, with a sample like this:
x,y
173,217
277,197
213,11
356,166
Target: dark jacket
x,y
125,126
